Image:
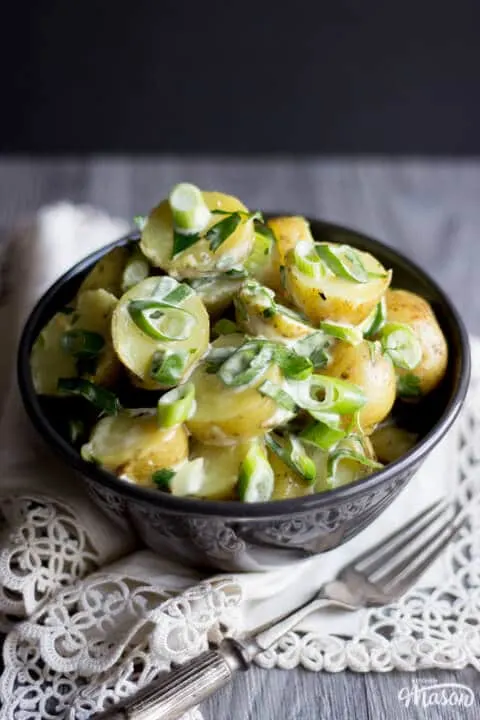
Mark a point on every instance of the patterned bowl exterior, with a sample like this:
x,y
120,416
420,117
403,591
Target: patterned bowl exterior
x,y
233,536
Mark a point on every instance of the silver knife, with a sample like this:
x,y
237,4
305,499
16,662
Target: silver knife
x,y
171,695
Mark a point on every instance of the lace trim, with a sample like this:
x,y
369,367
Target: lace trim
x,y
43,548
100,641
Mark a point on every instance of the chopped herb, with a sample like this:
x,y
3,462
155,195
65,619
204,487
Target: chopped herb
x,y
265,231
282,275
101,398
408,385
162,478
182,241
222,230
269,312
82,343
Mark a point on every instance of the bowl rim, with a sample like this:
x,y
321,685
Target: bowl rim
x,y
235,509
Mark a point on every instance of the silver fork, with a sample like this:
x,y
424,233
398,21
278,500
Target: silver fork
x,y
378,577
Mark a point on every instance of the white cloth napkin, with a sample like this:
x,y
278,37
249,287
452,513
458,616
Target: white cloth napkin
x,y
91,618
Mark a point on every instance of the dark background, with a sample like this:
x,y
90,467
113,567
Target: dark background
x,y
338,77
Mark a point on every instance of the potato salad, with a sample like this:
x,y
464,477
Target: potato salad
x,y
225,356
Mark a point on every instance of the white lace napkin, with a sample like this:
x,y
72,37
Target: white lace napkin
x,y
90,618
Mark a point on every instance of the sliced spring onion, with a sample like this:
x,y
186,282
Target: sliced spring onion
x,y
99,397
136,269
216,357
292,365
348,333
294,457
376,320
224,327
322,435
82,343
161,321
162,478
307,259
408,385
314,347
401,344
346,454
256,478
176,406
321,394
178,295
168,368
222,230
275,392
189,210
247,364
343,261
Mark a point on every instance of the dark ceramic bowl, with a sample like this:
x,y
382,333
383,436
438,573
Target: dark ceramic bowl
x,y
235,536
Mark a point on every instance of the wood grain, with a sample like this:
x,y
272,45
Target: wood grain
x,y
429,210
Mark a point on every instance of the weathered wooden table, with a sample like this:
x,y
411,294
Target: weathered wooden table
x,y
429,210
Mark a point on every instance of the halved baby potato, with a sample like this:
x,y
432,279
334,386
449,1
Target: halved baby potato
x,y
407,307
50,361
132,446
365,365
331,297
198,259
136,349
226,415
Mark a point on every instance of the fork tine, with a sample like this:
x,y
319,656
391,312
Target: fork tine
x,y
372,560
412,568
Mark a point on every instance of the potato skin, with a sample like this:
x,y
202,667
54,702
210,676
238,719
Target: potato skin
x,y
198,260
332,297
135,446
288,484
391,442
226,415
372,371
107,273
407,307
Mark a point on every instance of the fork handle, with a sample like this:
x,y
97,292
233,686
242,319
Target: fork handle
x,y
183,688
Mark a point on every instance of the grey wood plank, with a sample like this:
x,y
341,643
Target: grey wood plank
x,y
430,210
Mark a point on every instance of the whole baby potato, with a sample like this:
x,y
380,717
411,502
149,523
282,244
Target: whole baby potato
x,y
407,307
365,365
